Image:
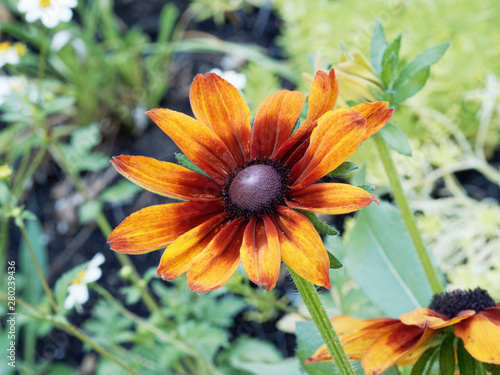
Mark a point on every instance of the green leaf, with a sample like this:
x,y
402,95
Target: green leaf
x,y
88,211
185,162
395,139
391,371
297,123
308,341
424,60
447,356
84,139
390,60
419,367
344,168
4,194
319,225
334,262
492,368
168,18
414,75
203,337
411,86
381,258
59,104
92,162
122,191
466,363
368,187
377,47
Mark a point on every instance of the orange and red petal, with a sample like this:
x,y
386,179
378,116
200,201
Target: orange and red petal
x,y
200,144
337,136
320,355
424,317
215,265
323,96
220,106
176,258
157,226
260,252
274,121
377,116
167,179
481,336
301,247
347,325
330,198
393,346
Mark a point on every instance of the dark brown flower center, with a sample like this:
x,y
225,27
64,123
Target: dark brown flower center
x,y
450,304
256,187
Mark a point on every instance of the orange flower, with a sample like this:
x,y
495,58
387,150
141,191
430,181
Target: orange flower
x,y
244,211
383,342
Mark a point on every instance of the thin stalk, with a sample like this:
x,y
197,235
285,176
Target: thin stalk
x,y
17,189
105,227
320,318
37,267
152,328
71,329
411,225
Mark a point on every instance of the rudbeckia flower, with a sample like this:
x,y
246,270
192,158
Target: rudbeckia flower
x,y
383,342
243,208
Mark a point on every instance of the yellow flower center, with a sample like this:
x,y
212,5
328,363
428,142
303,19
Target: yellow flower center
x,y
79,278
5,171
4,46
44,3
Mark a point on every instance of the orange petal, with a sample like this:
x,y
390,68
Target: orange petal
x,y
481,335
413,355
274,121
424,317
260,252
157,226
320,355
200,144
176,258
167,179
346,325
393,346
323,96
220,106
337,137
301,246
330,198
377,116
215,265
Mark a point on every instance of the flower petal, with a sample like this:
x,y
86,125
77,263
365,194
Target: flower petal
x,y
323,96
274,121
215,265
393,346
167,179
157,226
301,246
260,252
337,136
481,335
200,144
176,258
376,114
220,106
346,325
330,198
424,317
320,355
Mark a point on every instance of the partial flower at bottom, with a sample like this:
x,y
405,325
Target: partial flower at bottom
x,y
243,208
383,342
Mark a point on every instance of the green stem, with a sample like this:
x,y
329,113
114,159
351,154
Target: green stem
x,y
71,329
37,267
105,228
411,225
311,299
17,189
480,370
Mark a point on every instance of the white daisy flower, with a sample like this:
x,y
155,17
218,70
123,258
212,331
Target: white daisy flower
x,y
8,54
11,85
50,12
78,293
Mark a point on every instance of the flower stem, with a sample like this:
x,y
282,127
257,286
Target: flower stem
x,y
61,322
37,266
320,318
411,225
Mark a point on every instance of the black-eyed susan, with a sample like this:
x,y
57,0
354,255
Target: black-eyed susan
x,y
243,210
383,342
